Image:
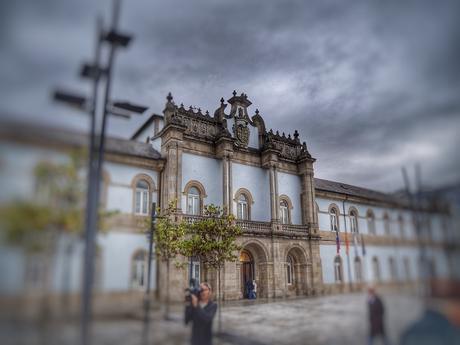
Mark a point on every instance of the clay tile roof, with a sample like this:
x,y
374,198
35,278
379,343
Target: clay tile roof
x,y
342,188
22,131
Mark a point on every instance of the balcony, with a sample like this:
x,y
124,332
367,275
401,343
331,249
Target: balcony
x,y
256,227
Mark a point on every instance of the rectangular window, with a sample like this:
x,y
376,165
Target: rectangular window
x,y
138,202
193,207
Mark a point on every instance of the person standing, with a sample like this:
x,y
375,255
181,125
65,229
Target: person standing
x,y
376,317
201,312
255,288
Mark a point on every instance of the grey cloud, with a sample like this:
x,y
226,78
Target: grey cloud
x,y
359,79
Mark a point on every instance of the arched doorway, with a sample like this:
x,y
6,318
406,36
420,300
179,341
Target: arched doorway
x,y
253,265
247,270
296,272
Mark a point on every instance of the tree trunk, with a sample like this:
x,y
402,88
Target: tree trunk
x,y
166,316
219,308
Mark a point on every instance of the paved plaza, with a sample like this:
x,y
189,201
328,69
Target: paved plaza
x,y
340,319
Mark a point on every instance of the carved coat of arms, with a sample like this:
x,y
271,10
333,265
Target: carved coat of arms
x,y
241,131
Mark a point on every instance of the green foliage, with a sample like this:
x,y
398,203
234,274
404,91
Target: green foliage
x,y
212,238
169,234
57,206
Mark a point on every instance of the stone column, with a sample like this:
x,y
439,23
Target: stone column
x,y
277,201
230,186
225,186
273,208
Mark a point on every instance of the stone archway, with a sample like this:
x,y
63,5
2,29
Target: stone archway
x,y
296,272
253,263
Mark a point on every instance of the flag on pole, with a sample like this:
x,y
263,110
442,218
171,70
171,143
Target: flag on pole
x,y
363,246
347,244
337,241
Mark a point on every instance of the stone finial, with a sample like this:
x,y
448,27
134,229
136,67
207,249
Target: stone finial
x,y
169,97
289,136
296,134
234,92
271,131
207,113
182,105
190,109
257,111
222,100
277,133
284,135
304,145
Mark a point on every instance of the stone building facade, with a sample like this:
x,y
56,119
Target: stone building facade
x,y
301,235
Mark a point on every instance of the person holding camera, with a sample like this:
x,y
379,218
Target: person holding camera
x,y
201,311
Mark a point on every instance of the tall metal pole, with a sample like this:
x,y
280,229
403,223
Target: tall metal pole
x,y
149,278
91,203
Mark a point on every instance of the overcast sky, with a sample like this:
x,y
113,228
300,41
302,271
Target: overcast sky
x,y
371,86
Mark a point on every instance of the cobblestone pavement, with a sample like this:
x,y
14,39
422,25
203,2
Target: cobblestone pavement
x,y
328,320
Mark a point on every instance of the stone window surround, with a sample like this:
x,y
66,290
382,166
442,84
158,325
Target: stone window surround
x,y
355,211
146,259
285,198
247,193
201,190
152,189
334,206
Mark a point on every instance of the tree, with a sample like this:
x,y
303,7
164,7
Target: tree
x,y
169,236
213,239
56,208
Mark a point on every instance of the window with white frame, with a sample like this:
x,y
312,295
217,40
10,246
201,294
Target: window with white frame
x,y
242,207
401,225
353,221
138,269
142,198
386,224
195,270
376,269
393,269
407,269
370,222
334,218
284,210
338,269
290,270
358,269
193,201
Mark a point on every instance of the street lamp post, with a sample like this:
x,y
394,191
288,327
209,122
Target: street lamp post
x,y
97,146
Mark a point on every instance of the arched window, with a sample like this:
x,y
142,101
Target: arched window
x,y
393,270
142,198
338,274
194,197
284,212
193,201
407,269
290,270
243,200
386,224
354,221
376,269
358,269
370,222
334,218
401,225
138,269
243,207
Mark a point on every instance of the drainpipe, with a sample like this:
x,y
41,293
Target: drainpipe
x,y
348,255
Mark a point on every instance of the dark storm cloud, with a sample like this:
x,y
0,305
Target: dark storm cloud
x,y
371,86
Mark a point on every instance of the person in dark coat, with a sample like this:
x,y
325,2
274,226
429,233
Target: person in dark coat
x,y
201,313
376,316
